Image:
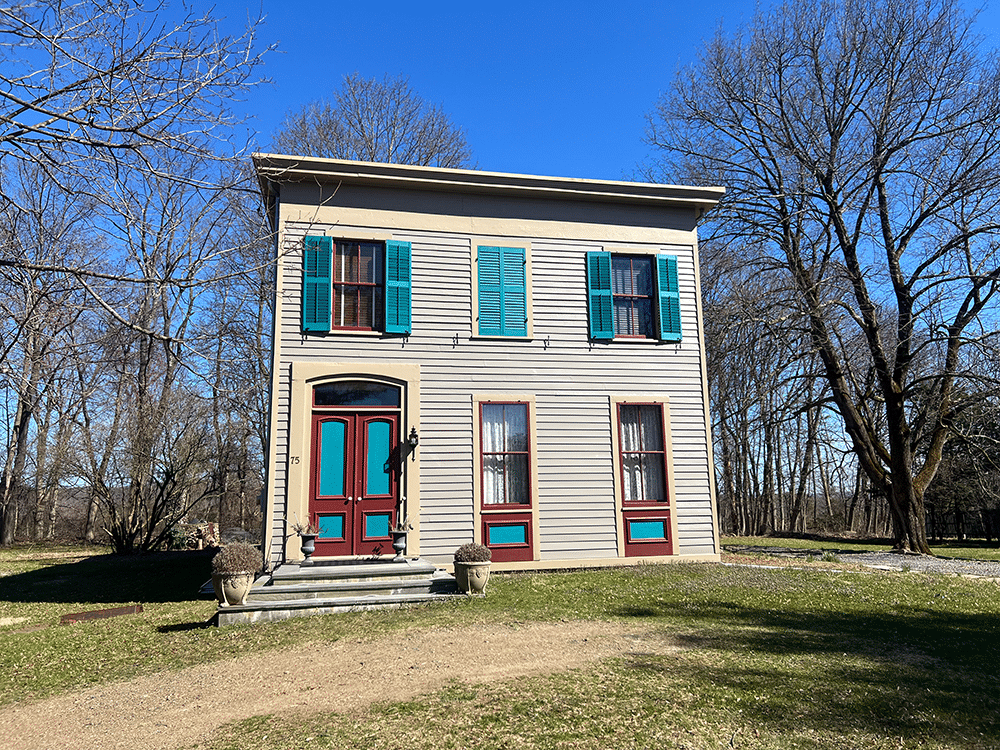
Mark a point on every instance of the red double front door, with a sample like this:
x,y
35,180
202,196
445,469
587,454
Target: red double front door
x,y
354,481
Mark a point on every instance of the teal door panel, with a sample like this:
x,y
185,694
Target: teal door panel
x,y
378,446
332,458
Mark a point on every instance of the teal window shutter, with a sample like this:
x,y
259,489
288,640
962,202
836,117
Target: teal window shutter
x,y
317,261
600,304
503,294
515,293
490,291
669,298
397,287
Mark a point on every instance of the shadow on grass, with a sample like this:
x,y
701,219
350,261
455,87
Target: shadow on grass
x,y
912,673
183,627
107,579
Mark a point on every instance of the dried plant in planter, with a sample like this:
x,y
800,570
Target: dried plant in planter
x,y
402,527
472,568
238,557
234,568
473,552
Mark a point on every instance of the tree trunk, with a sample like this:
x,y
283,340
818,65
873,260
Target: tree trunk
x,y
13,471
90,524
50,528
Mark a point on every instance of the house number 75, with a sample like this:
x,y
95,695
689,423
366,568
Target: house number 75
x,y
293,459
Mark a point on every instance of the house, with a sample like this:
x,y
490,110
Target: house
x,y
510,359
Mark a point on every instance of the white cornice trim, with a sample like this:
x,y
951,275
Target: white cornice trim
x,y
278,168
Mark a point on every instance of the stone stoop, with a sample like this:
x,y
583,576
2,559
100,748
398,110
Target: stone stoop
x,y
326,586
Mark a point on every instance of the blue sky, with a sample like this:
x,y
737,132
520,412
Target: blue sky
x,y
553,88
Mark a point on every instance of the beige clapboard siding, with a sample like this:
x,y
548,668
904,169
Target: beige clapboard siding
x,y
277,530
570,377
566,460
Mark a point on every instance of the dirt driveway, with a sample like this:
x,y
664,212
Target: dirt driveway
x,y
177,709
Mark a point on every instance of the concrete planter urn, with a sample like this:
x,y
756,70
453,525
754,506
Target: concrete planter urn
x,y
308,546
231,589
398,534
234,568
472,568
398,541
307,534
472,577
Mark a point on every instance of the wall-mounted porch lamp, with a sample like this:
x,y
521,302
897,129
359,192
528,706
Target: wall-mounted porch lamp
x,y
412,441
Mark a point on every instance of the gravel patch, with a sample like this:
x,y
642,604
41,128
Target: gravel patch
x,y
184,709
886,560
923,563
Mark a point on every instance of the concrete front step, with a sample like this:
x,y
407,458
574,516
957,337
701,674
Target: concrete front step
x,y
336,571
271,611
351,588
294,590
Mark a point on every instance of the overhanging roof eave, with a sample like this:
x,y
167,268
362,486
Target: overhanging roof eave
x,y
284,168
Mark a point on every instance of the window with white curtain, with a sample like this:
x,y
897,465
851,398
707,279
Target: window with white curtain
x,y
643,457
505,449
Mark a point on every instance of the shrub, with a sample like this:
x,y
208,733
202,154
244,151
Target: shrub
x,y
473,552
238,557
178,538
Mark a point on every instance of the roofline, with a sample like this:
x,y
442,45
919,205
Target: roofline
x,y
278,168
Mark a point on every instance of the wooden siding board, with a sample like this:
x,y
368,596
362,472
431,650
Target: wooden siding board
x,y
570,377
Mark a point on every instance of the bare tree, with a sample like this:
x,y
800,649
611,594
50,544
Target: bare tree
x,y
234,340
38,312
860,141
767,401
94,93
174,235
125,110
85,82
375,120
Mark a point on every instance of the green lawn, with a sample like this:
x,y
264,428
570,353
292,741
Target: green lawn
x,y
969,550
768,658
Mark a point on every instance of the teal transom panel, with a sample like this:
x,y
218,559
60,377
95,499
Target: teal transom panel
x,y
651,529
507,534
331,527
377,525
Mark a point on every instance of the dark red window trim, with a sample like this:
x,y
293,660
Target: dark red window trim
x,y
500,507
662,453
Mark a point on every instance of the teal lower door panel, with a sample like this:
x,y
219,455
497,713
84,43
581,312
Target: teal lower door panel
x,y
331,527
377,525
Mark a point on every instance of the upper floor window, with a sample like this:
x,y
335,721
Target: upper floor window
x,y
632,290
363,286
358,285
633,296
